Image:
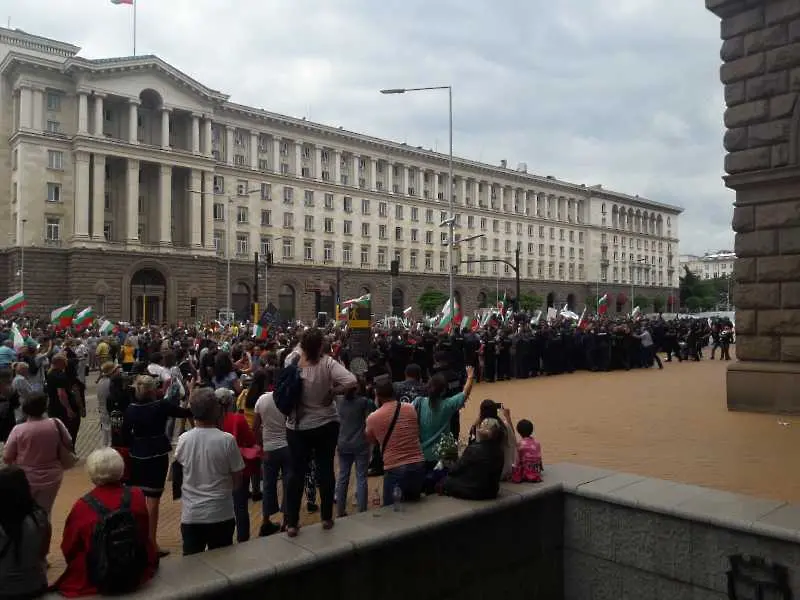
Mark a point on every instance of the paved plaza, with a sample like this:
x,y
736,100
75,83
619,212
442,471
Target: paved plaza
x,y
670,424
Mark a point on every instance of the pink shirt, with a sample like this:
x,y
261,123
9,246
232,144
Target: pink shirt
x,y
529,451
34,447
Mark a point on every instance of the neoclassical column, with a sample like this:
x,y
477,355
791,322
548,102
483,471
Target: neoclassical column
x,y
373,174
38,109
165,112
318,163
99,114
195,134
356,162
98,197
81,198
208,209
83,113
435,185
254,150
389,176
276,154
298,158
462,183
207,136
165,204
228,145
132,201
25,107
404,190
133,121
196,209
337,167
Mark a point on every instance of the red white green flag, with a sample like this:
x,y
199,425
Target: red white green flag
x,y
106,327
62,316
13,303
84,318
128,2
449,316
602,305
260,332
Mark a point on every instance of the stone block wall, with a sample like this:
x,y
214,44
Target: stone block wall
x,y
761,75
583,533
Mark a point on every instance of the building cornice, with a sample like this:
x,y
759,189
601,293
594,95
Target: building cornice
x,y
600,193
22,39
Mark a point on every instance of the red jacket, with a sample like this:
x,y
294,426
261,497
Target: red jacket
x,y
78,531
236,424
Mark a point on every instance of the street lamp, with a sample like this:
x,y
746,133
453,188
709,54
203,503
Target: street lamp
x,y
451,218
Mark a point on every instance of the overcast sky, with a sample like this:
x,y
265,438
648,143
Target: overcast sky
x,y
620,92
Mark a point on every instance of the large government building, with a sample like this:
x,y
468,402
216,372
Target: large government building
x,y
133,187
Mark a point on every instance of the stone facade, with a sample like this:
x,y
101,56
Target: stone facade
x,y
761,75
55,277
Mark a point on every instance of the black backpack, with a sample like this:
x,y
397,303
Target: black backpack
x,y
117,556
288,388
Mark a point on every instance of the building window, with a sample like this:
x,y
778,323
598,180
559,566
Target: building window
x,y
266,218
241,187
193,307
55,160
288,195
288,221
329,201
381,257
266,191
309,223
381,231
266,245
288,248
347,202
347,228
398,211
52,231
53,102
413,260
382,209
308,250
241,244
364,256
429,261
218,243
53,127
364,206
242,215
107,231
308,198
428,237
54,192
100,304
219,184
347,254
365,229
327,252
219,211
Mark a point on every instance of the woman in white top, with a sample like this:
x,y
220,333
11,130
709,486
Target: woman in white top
x,y
313,429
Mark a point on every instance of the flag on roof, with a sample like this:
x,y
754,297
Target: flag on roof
x,y
128,2
14,302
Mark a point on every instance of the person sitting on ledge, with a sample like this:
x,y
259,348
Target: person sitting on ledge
x,y
476,475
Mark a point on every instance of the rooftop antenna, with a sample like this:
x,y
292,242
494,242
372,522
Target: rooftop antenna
x,y
9,21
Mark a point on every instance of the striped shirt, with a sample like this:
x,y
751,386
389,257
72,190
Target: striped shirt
x,y
403,447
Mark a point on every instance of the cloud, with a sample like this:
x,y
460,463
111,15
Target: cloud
x,y
624,93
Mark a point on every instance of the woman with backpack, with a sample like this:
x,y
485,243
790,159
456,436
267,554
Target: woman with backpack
x,y
110,510
312,424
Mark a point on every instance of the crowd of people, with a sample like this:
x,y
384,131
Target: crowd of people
x,y
206,407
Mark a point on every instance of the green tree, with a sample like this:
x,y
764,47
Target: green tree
x,y
659,303
431,301
693,303
644,303
530,302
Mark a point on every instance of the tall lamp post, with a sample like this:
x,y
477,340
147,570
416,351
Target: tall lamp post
x,y
450,222
22,263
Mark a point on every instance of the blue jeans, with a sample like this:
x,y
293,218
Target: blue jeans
x,y
241,500
410,478
275,462
346,461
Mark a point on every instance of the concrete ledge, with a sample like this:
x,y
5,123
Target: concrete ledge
x,y
764,387
582,533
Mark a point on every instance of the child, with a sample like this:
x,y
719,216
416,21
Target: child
x,y
528,466
353,447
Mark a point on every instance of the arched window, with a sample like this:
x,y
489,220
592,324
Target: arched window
x,y
286,302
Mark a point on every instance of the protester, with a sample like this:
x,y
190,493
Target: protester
x,y
353,447
476,475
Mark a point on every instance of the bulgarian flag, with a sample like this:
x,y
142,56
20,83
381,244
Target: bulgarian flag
x,y
343,313
14,302
407,312
449,316
360,301
602,305
128,2
501,304
106,327
260,332
84,318
62,317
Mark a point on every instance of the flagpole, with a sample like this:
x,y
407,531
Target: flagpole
x,y
135,3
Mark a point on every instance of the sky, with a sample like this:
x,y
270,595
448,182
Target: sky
x,y
624,93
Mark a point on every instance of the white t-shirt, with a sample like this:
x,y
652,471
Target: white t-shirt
x,y
273,423
161,373
209,458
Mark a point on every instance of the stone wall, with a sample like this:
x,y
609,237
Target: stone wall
x,y
583,533
54,277
761,75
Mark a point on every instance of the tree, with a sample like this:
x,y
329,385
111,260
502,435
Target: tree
x,y
698,294
530,302
658,303
644,303
431,301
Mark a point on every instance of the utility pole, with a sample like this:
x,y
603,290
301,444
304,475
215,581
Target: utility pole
x,y
516,274
255,288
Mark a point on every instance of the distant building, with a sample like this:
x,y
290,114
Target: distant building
x,y
711,265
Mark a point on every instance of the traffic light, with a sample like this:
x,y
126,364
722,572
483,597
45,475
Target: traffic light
x,y
395,268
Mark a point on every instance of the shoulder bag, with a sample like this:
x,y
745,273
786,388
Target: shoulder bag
x,y
66,456
391,428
